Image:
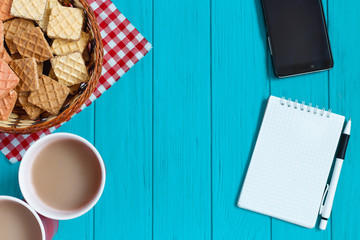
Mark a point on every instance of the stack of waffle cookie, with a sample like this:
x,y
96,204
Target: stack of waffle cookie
x,y
42,50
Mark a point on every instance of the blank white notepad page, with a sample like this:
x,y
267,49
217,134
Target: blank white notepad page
x,y
291,162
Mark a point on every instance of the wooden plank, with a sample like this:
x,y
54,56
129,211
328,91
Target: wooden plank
x,y
9,184
80,228
344,99
312,88
124,138
182,146
240,87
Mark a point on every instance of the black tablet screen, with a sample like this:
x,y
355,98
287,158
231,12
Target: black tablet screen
x,y
298,35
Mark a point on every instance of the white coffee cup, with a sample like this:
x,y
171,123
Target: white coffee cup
x,y
31,210
28,189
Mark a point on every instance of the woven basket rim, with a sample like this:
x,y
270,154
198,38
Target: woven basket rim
x,y
67,114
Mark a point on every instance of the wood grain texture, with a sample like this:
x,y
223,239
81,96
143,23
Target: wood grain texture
x,y
82,227
344,20
239,90
182,144
9,184
123,133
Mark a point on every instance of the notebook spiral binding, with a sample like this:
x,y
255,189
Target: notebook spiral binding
x,y
308,108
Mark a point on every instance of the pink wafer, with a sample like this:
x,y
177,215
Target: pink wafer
x,y
7,104
5,6
1,34
4,55
8,79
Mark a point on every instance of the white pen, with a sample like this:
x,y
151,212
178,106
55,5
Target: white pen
x,y
340,156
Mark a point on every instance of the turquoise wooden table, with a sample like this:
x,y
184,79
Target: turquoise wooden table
x,y
177,131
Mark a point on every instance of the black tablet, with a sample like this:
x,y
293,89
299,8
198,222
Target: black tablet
x,y
297,36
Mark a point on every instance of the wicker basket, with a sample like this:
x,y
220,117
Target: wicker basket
x,y
19,123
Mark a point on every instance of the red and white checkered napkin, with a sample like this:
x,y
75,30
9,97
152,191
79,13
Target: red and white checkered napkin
x,y
123,47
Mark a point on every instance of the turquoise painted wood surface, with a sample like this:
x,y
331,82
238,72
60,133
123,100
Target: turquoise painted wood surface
x,y
177,131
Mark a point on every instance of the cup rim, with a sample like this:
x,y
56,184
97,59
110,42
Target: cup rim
x,y
34,213
29,199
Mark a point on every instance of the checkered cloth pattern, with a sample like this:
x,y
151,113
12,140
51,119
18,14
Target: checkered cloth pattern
x,y
123,47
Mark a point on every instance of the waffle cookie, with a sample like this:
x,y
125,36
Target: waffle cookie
x,y
65,23
74,89
7,104
32,43
5,6
29,9
2,32
26,70
32,110
86,55
40,68
52,74
50,96
77,4
4,55
45,21
63,47
70,69
16,56
8,79
14,27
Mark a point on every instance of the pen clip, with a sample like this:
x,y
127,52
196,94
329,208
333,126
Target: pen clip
x,y
323,199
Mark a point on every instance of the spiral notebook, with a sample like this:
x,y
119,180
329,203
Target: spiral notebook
x,y
291,161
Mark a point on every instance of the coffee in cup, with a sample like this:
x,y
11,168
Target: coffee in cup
x,y
62,176
66,175
18,221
